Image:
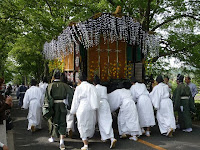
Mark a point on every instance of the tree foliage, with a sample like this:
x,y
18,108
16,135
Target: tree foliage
x,y
26,25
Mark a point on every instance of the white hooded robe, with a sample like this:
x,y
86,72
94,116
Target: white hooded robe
x,y
84,105
43,87
33,101
144,105
104,115
128,122
163,105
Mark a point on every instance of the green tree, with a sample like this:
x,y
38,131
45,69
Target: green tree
x,y
26,25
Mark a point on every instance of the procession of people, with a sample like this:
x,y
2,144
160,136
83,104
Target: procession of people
x,y
91,105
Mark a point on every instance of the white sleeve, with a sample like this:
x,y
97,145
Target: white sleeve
x,y
105,95
41,98
94,98
195,90
114,100
1,144
26,100
75,103
155,96
133,93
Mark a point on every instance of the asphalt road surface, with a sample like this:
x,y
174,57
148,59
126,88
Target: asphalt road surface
x,y
24,140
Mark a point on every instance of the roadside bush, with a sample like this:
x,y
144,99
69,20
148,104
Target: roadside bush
x,y
196,117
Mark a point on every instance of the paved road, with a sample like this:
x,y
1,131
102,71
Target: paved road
x,y
24,140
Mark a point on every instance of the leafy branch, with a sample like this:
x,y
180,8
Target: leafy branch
x,y
170,51
50,9
174,18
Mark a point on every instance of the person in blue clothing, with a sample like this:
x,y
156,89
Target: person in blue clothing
x,y
20,94
192,86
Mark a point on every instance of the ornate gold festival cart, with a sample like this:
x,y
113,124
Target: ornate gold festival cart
x,y
111,45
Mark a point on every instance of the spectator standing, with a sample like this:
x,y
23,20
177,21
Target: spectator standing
x,y
16,90
20,94
184,104
5,104
9,90
192,86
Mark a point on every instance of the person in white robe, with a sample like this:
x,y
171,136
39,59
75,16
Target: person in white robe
x,y
104,117
43,85
70,123
144,105
128,121
85,104
33,101
69,117
163,104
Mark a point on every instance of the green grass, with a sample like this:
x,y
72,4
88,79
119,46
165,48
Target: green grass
x,y
198,94
197,98
197,101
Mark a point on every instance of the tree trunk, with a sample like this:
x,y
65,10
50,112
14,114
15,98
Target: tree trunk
x,y
46,69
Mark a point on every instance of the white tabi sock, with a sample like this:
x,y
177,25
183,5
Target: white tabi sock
x,y
61,141
84,139
113,142
51,139
85,147
133,138
112,139
143,131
